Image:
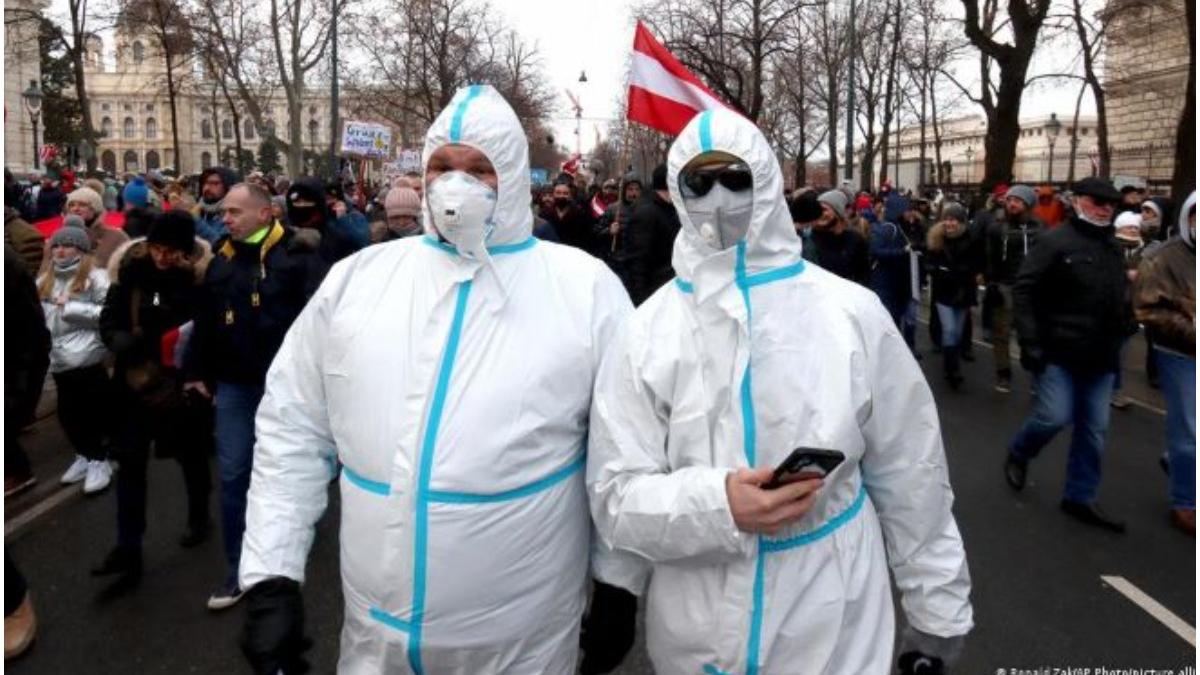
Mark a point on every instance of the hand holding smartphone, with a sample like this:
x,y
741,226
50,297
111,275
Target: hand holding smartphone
x,y
804,464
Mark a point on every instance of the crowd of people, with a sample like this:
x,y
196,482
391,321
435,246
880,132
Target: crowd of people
x,y
300,331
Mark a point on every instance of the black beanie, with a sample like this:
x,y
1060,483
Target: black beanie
x,y
805,208
175,229
658,179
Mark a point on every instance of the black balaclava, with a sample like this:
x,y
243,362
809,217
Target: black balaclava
x,y
309,189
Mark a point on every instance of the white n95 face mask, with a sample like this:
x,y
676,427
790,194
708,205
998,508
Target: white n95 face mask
x,y
722,216
461,207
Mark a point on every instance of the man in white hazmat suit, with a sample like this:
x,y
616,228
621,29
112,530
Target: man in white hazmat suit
x,y
451,376
709,386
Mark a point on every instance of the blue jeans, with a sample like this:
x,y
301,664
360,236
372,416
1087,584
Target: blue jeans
x,y
236,405
1060,398
908,323
952,319
1178,377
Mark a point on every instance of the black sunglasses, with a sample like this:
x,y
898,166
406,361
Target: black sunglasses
x,y
697,183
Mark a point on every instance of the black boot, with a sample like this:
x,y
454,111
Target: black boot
x,y
194,535
1014,472
950,365
121,560
1092,515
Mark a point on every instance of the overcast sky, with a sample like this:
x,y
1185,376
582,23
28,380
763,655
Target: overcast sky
x,y
574,35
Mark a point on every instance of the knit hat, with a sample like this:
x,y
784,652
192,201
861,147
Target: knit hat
x,y
175,229
1153,206
137,193
956,211
1022,192
95,184
658,179
805,208
836,201
1129,226
402,201
72,234
88,196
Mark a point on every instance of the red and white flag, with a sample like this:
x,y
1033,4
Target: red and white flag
x,y
663,94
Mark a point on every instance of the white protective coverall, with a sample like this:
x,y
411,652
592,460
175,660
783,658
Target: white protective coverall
x,y
748,355
455,393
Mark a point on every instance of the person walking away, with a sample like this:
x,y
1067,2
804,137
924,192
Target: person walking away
x,y
1165,302
1009,239
1127,229
258,281
72,292
956,259
916,231
215,182
26,358
891,268
1072,315
89,206
152,299
833,245
708,387
652,230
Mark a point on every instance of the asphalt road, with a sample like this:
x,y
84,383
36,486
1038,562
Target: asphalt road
x,y
1039,598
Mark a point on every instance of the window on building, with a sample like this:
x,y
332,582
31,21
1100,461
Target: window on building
x,y
106,130
152,161
226,129
248,128
151,130
314,131
1084,131
149,107
130,127
128,107
205,129
108,160
139,53
269,129
130,161
105,106
205,160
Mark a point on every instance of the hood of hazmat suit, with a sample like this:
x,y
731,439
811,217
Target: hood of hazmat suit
x,y
454,392
748,355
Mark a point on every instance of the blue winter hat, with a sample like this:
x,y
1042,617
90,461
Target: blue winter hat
x,y
136,193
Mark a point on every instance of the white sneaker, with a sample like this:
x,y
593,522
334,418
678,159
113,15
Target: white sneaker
x,y
77,471
99,475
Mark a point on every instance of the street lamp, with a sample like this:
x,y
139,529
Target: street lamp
x,y
1053,127
33,104
583,76
970,153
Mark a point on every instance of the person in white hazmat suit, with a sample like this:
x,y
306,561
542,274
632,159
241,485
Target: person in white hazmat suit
x,y
709,386
451,376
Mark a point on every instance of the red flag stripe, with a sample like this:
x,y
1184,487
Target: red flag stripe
x,y
658,112
645,43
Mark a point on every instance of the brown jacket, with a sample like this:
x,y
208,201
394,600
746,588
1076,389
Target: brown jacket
x,y
26,239
105,240
1164,297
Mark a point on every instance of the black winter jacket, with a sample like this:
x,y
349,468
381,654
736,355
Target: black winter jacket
x,y
845,254
651,235
574,228
1007,246
1071,298
953,264
250,297
27,343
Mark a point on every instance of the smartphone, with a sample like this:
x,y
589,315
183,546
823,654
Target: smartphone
x,y
803,464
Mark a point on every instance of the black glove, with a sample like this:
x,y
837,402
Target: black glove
x,y
916,663
1033,361
273,639
608,629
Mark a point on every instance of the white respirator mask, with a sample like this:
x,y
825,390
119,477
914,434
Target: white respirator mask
x,y
461,207
722,216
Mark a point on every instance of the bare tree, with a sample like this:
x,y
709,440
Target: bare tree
x,y
727,43
826,36
925,60
167,25
1002,103
299,31
73,40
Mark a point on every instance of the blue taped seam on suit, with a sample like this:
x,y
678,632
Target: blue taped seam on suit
x,y
756,279
493,250
710,669
461,111
685,286
706,131
749,441
420,529
364,483
830,526
389,620
445,497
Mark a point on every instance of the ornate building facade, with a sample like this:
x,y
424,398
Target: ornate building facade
x,y
22,65
1145,82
